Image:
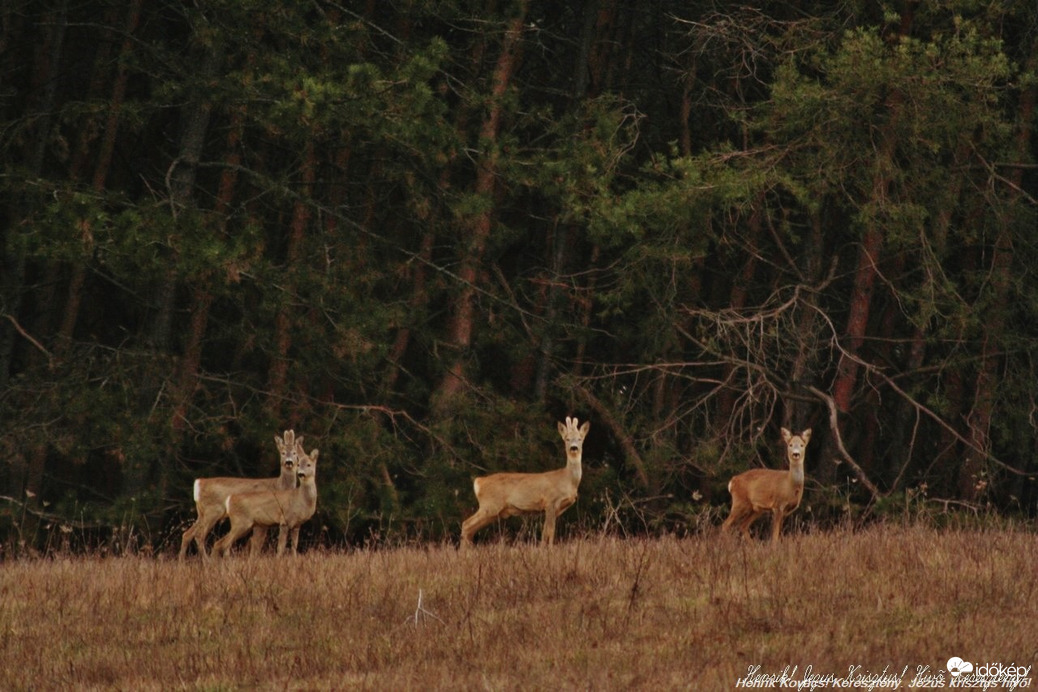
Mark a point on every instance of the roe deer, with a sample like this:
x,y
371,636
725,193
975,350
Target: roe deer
x,y
211,493
552,492
287,509
760,490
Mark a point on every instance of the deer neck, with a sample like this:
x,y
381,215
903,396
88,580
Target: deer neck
x,y
796,473
307,492
573,467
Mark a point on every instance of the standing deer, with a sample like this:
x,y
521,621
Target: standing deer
x,y
504,495
211,493
760,490
288,509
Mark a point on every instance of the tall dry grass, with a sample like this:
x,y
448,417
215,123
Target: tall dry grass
x,y
596,613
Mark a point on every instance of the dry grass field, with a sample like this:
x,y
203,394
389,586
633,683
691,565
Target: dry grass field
x,y
594,613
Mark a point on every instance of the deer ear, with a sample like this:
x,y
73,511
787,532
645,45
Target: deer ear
x,y
313,455
806,435
584,428
562,430
786,435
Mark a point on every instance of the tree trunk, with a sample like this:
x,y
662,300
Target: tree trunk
x,y
39,112
101,168
902,439
972,482
202,295
462,323
417,304
738,295
585,308
869,253
870,249
26,475
181,181
804,373
138,474
284,321
546,347
858,317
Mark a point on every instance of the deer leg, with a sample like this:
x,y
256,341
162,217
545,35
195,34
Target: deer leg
x,y
474,523
548,533
751,517
776,524
295,540
224,545
282,539
469,527
259,538
736,516
285,537
291,538
730,521
186,539
202,528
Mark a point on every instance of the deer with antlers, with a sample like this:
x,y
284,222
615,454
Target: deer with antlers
x,y
288,509
504,495
766,490
211,493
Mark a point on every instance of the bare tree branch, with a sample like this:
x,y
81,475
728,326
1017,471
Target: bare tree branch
x,y
30,339
630,451
834,428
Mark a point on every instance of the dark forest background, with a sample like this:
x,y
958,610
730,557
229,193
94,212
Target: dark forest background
x,y
420,233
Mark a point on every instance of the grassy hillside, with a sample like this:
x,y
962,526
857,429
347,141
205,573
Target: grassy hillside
x,y
595,613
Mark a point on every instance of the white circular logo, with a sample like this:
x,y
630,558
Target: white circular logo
x,y
956,666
